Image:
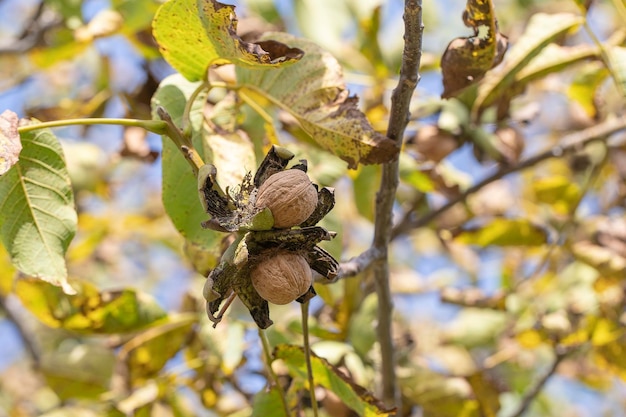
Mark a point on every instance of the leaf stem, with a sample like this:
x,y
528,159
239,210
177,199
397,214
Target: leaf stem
x,y
155,126
270,372
385,198
186,119
304,308
182,141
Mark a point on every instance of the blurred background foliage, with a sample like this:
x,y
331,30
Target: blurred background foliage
x,y
512,302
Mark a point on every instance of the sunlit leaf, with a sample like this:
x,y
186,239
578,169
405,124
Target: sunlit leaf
x,y
47,57
313,92
82,372
180,190
486,393
504,232
194,34
585,85
558,191
554,58
326,375
541,30
612,357
146,354
617,60
89,311
10,145
37,214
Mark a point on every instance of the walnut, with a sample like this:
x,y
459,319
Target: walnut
x,y
282,277
290,196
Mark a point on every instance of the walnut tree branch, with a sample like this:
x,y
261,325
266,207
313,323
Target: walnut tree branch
x,y
569,144
385,198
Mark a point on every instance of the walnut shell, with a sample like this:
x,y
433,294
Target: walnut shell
x,y
290,196
282,277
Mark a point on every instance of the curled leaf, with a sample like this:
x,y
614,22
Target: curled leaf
x,y
467,59
194,34
314,93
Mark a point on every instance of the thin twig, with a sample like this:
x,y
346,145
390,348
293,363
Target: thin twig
x,y
385,198
304,307
534,390
569,144
359,263
15,316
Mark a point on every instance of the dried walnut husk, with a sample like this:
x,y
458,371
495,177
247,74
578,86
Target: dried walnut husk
x,y
282,277
290,196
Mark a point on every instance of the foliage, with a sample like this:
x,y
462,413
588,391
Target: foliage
x,y
507,253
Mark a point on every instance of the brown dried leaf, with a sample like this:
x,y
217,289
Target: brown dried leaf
x,y
466,59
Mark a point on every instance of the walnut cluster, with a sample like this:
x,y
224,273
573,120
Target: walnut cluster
x,y
274,217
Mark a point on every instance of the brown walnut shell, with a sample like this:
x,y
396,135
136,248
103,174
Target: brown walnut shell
x,y
290,196
282,277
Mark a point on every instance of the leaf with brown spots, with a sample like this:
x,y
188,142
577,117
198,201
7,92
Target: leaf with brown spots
x,y
194,34
467,59
314,93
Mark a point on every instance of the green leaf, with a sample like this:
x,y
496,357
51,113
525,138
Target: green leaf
x,y
89,311
180,190
617,61
78,370
555,58
194,34
147,353
268,404
314,93
10,145
504,232
38,218
542,29
326,375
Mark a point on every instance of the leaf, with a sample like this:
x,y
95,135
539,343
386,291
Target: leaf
x,y
584,87
486,393
38,219
466,59
83,371
180,191
313,92
147,353
194,34
268,403
558,191
326,375
504,232
541,30
617,62
89,311
603,259
554,58
10,145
